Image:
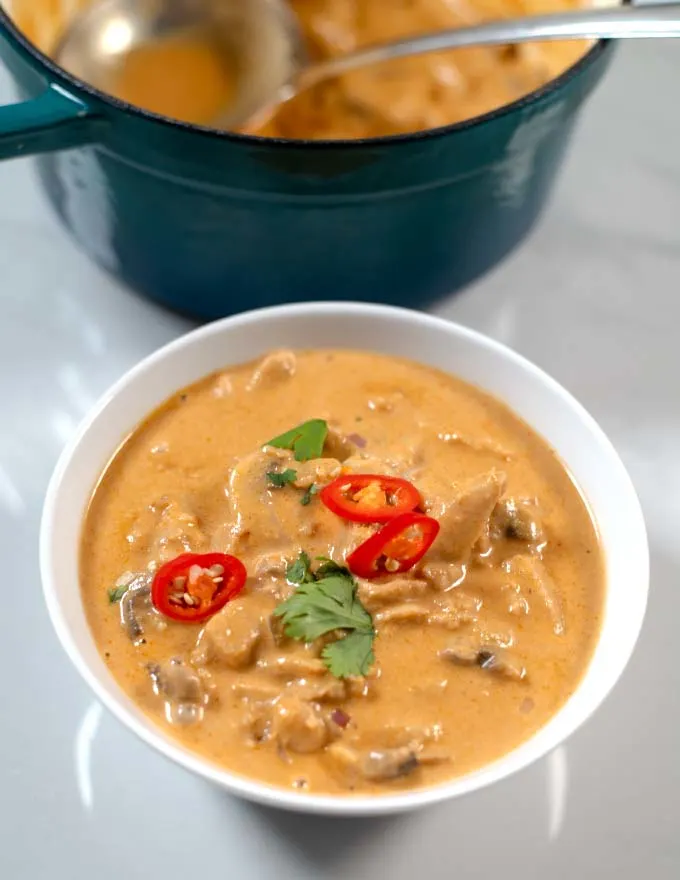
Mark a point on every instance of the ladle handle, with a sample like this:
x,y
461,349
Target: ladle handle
x,y
622,23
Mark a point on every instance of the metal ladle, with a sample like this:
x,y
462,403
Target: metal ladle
x,y
263,39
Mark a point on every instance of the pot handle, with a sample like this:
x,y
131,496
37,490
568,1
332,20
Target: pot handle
x,y
54,120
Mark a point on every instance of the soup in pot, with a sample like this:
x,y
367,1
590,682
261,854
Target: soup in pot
x,y
337,571
188,80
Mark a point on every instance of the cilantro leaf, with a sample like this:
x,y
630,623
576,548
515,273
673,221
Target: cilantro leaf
x,y
329,566
115,594
320,607
279,480
300,571
306,440
309,494
326,602
352,655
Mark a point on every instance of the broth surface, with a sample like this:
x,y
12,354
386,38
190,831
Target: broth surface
x,y
477,646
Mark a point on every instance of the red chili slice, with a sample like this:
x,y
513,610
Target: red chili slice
x,y
191,587
368,498
396,548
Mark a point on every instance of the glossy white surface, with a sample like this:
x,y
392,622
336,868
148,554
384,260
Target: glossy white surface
x,y
592,298
538,399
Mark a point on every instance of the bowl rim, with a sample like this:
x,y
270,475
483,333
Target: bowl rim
x,y
260,792
533,97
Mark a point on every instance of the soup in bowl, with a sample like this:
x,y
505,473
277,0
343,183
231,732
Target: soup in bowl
x,y
350,580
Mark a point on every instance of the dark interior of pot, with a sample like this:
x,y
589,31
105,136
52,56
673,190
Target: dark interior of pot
x,y
185,79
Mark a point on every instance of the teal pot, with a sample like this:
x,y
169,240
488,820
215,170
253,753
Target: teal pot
x,y
211,223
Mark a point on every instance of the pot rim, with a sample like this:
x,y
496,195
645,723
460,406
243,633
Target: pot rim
x,y
55,72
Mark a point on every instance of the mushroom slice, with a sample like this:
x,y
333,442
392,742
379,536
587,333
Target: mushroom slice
x,y
182,690
517,519
136,603
465,652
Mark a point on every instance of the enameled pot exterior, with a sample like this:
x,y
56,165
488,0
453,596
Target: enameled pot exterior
x,y
211,224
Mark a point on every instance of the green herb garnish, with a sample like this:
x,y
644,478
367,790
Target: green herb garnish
x,y
309,494
323,602
306,441
329,566
352,655
300,571
279,480
116,594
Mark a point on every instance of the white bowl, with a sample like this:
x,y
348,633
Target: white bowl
x,y
539,400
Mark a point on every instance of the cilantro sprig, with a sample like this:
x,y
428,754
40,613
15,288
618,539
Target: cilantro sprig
x,y
309,494
306,441
115,594
281,479
326,600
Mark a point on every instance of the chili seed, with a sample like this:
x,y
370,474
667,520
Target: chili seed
x,y
391,565
216,569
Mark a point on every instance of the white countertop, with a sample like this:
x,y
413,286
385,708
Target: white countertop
x,y
593,297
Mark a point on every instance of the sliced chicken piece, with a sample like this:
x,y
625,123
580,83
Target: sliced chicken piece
x,y
318,471
478,444
182,690
463,517
406,455
457,609
363,686
349,538
375,594
299,726
256,691
398,460
273,565
293,667
255,508
330,690
339,446
378,765
264,519
274,369
178,531
165,529
276,634
530,574
407,612
362,463
444,576
231,637
391,736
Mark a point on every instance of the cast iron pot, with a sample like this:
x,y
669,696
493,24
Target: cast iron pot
x,y
212,223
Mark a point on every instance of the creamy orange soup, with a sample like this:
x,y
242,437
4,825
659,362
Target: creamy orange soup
x,y
186,80
327,676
